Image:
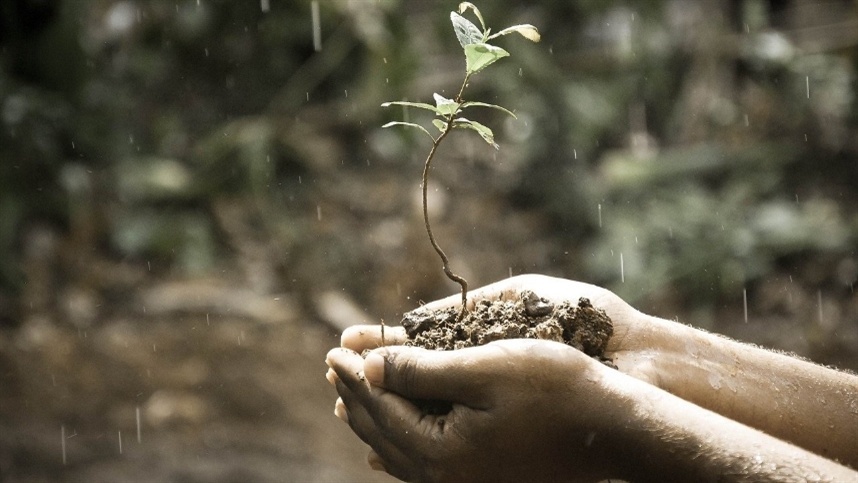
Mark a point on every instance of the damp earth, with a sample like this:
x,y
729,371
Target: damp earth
x,y
581,326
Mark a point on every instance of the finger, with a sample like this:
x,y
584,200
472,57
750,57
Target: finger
x,y
367,337
390,424
375,462
458,376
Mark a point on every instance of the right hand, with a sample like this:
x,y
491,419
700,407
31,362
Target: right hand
x,y
520,410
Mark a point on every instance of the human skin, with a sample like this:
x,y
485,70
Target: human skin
x,y
675,407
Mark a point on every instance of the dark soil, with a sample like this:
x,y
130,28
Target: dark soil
x,y
583,327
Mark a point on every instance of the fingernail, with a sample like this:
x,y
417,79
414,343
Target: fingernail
x,y
340,411
331,376
375,461
373,368
377,465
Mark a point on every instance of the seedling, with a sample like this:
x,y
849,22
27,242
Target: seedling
x,y
479,54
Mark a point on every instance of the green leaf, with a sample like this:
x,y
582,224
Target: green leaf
x,y
441,125
466,31
409,124
480,55
466,5
525,30
484,132
445,107
485,104
419,105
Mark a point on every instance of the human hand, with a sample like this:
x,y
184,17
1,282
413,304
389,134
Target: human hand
x,y
520,410
637,337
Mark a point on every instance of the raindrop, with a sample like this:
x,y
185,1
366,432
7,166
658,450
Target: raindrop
x,y
384,59
317,26
807,85
510,272
137,415
63,442
319,212
600,215
346,91
574,154
265,5
745,303
819,303
622,269
747,122
72,144
120,441
520,72
206,51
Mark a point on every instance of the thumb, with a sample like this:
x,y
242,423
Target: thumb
x,y
416,373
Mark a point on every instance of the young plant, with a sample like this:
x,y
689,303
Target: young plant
x,y
479,54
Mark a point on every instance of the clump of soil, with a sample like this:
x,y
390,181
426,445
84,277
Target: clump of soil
x,y
583,327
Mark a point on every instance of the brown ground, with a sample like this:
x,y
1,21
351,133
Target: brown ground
x,y
583,327
181,382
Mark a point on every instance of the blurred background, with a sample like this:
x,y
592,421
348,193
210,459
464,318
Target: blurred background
x,y
196,197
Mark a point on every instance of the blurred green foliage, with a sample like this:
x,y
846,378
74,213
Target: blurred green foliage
x,y
704,143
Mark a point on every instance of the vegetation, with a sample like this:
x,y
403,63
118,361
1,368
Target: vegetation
x,y
479,54
679,156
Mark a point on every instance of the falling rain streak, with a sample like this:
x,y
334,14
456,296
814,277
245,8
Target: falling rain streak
x,y
819,303
265,5
622,269
745,303
63,442
317,26
137,415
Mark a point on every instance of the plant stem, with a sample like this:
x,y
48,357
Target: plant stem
x,y
426,165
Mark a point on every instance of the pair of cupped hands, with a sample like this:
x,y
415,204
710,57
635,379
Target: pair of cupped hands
x,y
522,409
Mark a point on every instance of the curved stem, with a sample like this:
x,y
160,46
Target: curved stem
x,y
426,165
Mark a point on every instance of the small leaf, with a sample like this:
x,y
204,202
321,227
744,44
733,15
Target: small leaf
x,y
466,31
479,56
419,105
408,124
484,132
445,107
466,5
441,125
526,30
485,104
